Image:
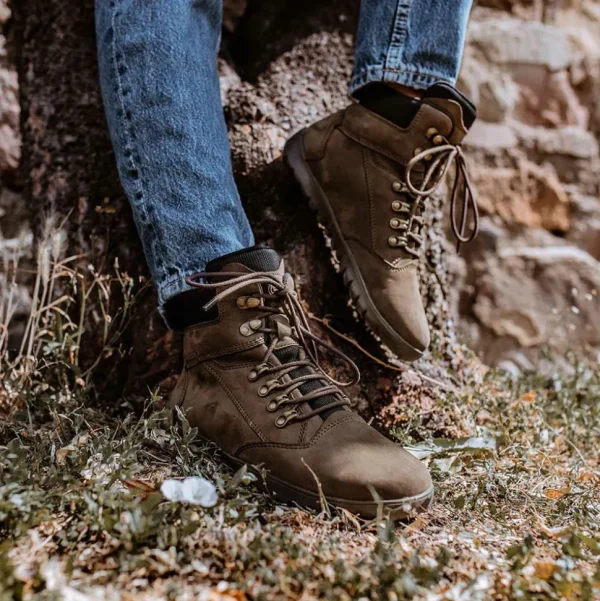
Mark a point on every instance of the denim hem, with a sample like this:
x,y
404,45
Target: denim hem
x,y
171,288
405,77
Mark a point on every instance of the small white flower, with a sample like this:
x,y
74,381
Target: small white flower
x,y
195,490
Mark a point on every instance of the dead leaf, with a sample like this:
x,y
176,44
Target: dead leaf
x,y
556,493
544,569
62,454
443,446
529,397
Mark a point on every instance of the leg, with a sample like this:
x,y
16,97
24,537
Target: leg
x,y
414,43
158,69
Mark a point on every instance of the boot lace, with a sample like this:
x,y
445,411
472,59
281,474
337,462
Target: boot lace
x,y
441,156
279,314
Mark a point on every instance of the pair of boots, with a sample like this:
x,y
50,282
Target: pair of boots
x,y
251,381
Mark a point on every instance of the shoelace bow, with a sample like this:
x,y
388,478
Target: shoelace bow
x,y
443,156
280,290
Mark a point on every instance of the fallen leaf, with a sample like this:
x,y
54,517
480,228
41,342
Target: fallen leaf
x,y
544,569
442,446
62,454
529,397
556,493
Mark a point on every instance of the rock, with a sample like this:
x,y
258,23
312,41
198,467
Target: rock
x,y
569,140
4,12
9,149
491,136
10,142
513,42
550,100
497,98
529,297
585,229
13,213
530,195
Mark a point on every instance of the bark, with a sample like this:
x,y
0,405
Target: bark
x,y
295,59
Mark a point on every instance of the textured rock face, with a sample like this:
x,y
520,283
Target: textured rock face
x,y
285,66
534,290
534,154
532,278
9,103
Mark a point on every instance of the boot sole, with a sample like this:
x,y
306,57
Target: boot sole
x,y
317,200
397,509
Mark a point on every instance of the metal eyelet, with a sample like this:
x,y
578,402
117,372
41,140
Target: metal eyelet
x,y
396,241
398,224
246,330
400,207
286,418
417,151
256,372
276,403
266,389
431,132
399,187
438,140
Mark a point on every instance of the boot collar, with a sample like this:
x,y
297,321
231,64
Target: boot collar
x,y
400,144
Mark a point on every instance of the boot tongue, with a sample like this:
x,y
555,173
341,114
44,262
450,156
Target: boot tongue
x,y
256,258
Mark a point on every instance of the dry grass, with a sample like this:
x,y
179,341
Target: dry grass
x,y
81,515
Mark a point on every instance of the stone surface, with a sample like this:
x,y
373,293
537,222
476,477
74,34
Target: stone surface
x,y
529,195
9,105
531,292
537,87
569,140
491,136
513,42
497,97
585,229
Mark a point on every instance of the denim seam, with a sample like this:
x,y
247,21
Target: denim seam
x,y
398,34
403,76
129,146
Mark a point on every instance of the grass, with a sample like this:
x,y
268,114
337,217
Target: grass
x,y
516,516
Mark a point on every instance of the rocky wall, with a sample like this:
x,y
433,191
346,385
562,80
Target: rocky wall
x,y
532,280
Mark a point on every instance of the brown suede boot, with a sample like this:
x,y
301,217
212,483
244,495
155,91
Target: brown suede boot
x,y
367,178
251,385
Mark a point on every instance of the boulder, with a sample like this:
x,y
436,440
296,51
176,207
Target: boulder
x,y
531,291
570,140
509,41
527,194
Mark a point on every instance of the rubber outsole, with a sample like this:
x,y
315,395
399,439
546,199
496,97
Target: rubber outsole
x,y
294,156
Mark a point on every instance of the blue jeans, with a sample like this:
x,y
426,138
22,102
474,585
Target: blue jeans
x,y
160,84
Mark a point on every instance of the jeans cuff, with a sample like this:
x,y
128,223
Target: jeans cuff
x,y
406,77
167,290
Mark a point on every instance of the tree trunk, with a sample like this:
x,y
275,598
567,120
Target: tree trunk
x,y
295,59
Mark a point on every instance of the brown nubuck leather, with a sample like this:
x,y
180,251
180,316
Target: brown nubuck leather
x,y
252,385
368,179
